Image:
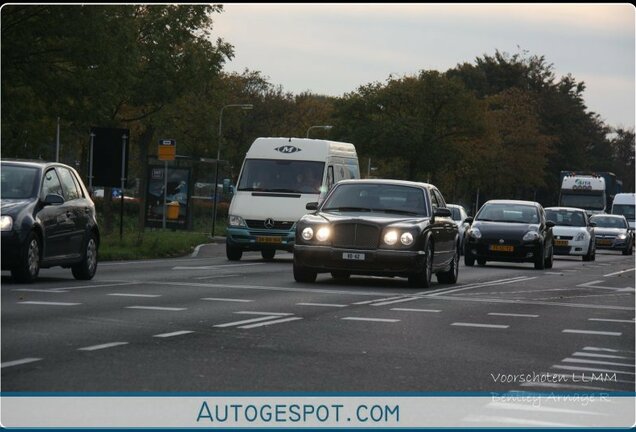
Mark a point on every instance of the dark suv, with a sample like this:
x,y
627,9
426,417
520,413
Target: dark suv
x,y
47,219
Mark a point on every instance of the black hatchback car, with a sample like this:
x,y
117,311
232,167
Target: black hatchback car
x,y
512,231
378,227
47,219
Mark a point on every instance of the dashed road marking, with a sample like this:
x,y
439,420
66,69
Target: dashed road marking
x,y
322,305
594,361
227,300
589,348
44,303
494,326
416,310
385,320
586,369
263,313
135,295
176,333
266,323
211,267
247,321
608,356
619,272
102,346
19,362
156,308
514,315
395,301
592,332
612,320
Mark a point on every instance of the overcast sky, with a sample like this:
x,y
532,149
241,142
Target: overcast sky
x,y
333,49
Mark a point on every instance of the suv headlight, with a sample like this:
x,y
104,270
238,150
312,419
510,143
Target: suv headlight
x,y
6,222
531,236
236,221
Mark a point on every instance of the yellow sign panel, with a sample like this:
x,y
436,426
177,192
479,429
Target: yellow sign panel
x,y
167,150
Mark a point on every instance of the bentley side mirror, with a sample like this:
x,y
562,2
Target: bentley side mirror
x,y
311,206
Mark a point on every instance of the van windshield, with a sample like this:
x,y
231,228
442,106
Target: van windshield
x,y
629,211
270,175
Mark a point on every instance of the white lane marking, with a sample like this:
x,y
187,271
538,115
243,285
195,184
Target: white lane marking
x,y
463,324
157,261
263,313
585,369
378,300
95,286
237,323
553,273
371,319
217,276
322,305
592,361
210,267
619,272
592,332
612,320
396,301
38,290
470,285
505,282
266,323
157,308
514,315
416,310
43,303
177,333
227,300
532,302
134,295
593,285
589,348
102,346
608,356
19,362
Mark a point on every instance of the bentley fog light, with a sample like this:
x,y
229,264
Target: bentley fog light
x,y
6,222
307,234
406,239
391,238
531,236
322,234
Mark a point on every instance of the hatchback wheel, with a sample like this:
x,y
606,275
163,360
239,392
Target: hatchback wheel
x,y
86,269
539,259
29,268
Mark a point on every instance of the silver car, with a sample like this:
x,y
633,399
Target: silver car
x,y
612,232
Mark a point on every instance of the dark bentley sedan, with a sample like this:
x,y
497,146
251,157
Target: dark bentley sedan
x,y
378,227
512,231
47,219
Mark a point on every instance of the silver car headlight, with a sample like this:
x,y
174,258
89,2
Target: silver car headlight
x,y
237,221
6,222
531,236
621,237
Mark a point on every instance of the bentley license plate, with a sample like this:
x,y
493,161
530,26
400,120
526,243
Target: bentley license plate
x,y
268,239
353,256
502,248
560,242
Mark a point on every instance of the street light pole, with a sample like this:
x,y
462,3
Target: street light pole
x,y
218,157
318,127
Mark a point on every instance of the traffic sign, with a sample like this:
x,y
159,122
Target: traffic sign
x,y
167,149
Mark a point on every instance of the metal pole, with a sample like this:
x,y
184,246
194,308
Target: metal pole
x,y
123,182
369,169
165,191
90,164
57,142
216,171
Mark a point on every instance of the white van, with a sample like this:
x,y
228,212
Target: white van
x,y
625,204
278,178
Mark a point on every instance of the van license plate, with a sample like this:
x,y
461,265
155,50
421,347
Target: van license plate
x,y
269,240
353,256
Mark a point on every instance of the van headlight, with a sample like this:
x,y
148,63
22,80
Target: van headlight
x,y
236,221
6,222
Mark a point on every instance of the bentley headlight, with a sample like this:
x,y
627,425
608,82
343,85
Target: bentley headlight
x,y
308,234
474,233
531,236
6,222
323,234
237,221
391,237
406,239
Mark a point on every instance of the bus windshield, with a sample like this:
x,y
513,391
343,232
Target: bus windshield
x,y
271,175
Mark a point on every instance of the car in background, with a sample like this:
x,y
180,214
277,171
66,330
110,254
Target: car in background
x,y
511,231
573,233
612,232
459,215
381,228
47,219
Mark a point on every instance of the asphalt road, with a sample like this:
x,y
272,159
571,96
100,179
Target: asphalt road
x,y
205,324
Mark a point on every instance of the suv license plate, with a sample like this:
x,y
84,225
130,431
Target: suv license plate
x,y
353,256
